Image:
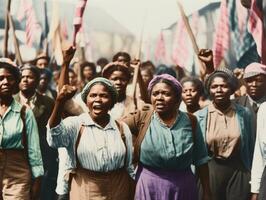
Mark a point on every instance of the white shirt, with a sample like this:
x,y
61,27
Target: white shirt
x,y
259,158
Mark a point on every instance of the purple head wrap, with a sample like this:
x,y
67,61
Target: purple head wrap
x,y
172,80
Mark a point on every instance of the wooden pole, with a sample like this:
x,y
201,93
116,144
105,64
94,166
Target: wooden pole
x,y
16,45
5,48
191,36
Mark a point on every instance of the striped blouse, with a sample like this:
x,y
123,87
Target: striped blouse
x,y
100,149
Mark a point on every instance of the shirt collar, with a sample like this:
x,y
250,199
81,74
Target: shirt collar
x,y
211,108
87,121
258,102
15,106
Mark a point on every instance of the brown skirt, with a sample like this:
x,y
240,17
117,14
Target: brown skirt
x,y
15,175
86,184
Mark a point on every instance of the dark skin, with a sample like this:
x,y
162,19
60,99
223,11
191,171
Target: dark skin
x,y
7,85
165,103
220,92
206,57
191,96
256,86
28,83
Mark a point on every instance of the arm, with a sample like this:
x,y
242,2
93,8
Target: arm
x,y
200,159
129,146
203,172
67,57
206,56
34,153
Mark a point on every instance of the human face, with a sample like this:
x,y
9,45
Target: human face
x,y
44,82
42,63
28,81
7,83
146,76
220,90
99,101
88,73
190,94
72,79
123,60
164,99
120,81
256,86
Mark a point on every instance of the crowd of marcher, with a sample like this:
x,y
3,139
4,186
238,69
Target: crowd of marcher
x,y
87,130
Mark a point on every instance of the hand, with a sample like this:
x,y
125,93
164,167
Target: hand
x,y
35,188
254,196
239,73
68,54
66,93
206,57
135,64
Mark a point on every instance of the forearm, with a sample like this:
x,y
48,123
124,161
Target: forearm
x,y
203,172
143,90
63,78
55,117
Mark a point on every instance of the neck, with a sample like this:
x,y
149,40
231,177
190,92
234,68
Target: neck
x,y
121,97
102,120
28,94
222,106
6,101
193,108
168,118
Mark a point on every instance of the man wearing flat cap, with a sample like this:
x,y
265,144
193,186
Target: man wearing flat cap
x,y
255,81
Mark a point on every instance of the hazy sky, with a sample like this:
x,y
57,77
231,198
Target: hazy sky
x,y
153,14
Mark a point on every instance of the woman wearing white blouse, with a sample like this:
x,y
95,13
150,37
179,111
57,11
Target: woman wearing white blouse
x,y
99,147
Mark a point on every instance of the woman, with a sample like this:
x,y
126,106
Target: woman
x,y
20,156
227,130
192,91
87,73
168,142
99,147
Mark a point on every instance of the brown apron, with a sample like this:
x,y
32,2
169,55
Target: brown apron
x,y
15,173
86,184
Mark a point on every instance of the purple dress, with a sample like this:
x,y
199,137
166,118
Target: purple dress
x,y
156,184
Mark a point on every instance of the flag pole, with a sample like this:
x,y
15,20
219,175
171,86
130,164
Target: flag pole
x,y
191,36
5,48
136,69
16,45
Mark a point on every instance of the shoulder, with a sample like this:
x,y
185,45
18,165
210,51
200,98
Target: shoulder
x,y
202,112
44,99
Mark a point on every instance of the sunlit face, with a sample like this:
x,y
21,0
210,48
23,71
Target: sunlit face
x,y
164,98
190,94
99,101
120,81
220,90
72,79
256,86
88,73
42,63
28,81
146,76
44,82
123,60
7,83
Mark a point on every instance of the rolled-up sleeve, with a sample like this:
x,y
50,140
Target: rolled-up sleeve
x,y
200,154
61,135
34,151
